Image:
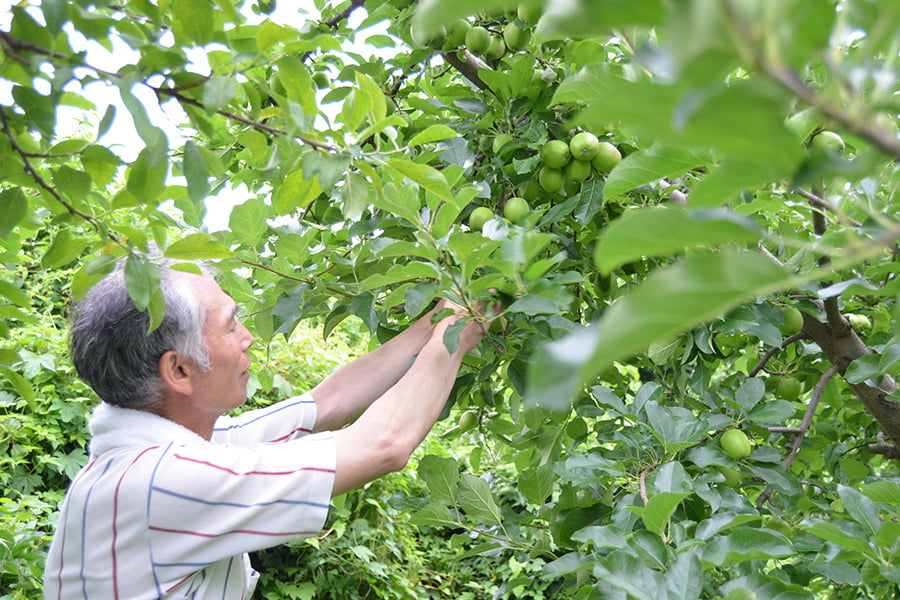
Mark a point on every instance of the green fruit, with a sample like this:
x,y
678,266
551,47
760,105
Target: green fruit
x,y
576,428
827,141
320,78
792,321
467,421
735,443
578,170
552,180
498,324
584,146
555,154
478,39
479,217
500,140
859,321
496,48
515,37
732,476
516,209
788,388
456,37
529,12
779,525
607,157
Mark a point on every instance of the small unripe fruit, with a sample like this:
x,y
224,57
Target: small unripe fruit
x,y
515,37
792,321
530,13
736,444
496,48
859,321
551,180
788,388
607,157
467,421
555,154
479,217
584,145
478,39
457,35
578,170
732,476
516,209
828,141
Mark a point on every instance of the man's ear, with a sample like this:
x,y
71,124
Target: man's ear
x,y
176,372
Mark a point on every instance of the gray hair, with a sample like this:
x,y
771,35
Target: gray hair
x,y
111,349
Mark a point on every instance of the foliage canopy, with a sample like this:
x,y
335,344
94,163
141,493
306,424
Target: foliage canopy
x,y
646,301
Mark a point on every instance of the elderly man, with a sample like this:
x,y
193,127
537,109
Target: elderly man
x,y
175,493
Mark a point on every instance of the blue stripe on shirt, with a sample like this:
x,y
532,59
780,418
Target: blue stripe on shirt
x,y
266,413
236,504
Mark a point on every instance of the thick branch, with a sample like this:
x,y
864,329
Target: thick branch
x,y
468,67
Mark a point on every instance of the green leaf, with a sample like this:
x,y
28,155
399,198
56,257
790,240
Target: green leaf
x,y
537,484
860,508
218,91
433,515
17,295
196,172
248,222
684,577
195,20
296,191
142,281
198,246
659,509
475,499
152,136
646,166
667,302
746,544
13,208
432,133
73,184
64,249
662,231
441,475
145,181
424,176
846,534
887,492
21,385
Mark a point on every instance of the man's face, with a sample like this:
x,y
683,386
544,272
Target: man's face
x,y
224,386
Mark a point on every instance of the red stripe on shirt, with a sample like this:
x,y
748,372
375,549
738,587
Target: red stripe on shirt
x,y
284,437
233,531
115,562
241,474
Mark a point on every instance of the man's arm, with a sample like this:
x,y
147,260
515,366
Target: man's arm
x,y
347,392
387,433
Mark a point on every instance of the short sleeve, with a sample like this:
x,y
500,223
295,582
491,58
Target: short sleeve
x,y
284,421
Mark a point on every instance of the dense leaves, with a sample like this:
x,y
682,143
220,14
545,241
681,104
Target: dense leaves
x,y
646,302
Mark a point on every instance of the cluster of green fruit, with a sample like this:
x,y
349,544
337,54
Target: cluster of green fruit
x,y
568,164
515,210
491,44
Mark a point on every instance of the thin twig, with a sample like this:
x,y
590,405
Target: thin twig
x,y
805,423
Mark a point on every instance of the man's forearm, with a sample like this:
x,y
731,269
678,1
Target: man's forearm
x,y
347,392
386,434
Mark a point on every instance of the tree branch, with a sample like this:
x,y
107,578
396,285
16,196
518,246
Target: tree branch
x,y
42,183
801,431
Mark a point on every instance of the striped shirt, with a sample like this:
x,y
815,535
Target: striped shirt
x,y
160,512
